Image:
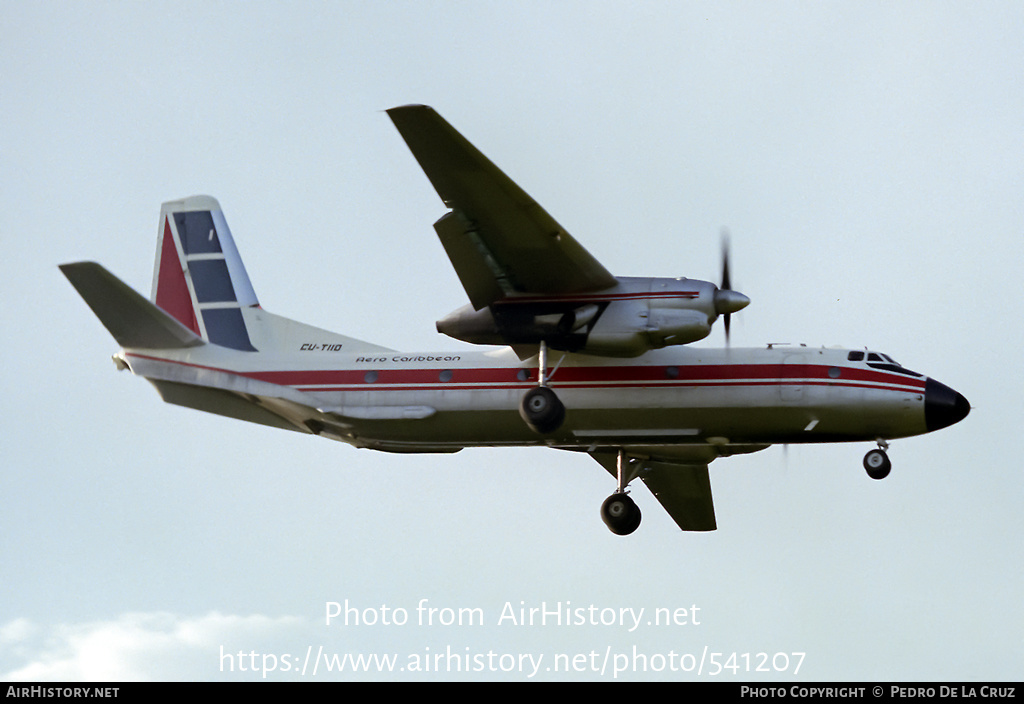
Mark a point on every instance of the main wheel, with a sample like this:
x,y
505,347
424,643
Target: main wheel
x,y
877,464
620,514
542,410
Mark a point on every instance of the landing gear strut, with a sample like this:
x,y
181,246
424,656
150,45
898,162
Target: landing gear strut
x,y
877,463
619,512
540,407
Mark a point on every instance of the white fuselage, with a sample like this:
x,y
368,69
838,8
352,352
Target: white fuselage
x,y
449,400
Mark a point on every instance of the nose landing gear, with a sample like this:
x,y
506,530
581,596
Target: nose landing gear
x,y
877,463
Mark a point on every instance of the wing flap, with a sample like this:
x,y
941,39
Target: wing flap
x,y
684,491
533,252
483,280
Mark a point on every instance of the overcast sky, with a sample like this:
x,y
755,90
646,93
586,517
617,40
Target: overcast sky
x,y
866,157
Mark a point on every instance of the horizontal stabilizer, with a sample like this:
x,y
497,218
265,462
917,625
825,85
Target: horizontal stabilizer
x,y
133,320
222,403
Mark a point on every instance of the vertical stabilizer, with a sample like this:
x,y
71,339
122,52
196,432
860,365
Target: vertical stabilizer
x,y
199,278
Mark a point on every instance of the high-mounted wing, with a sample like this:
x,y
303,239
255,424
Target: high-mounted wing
x,y
684,490
498,238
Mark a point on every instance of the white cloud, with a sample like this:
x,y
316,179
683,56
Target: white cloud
x,y
134,646
16,631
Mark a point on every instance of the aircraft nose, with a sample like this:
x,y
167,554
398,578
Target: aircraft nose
x,y
943,406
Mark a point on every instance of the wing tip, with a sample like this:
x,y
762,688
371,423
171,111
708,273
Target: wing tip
x,y
409,107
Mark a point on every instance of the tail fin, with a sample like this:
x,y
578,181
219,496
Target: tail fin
x,y
201,293
199,278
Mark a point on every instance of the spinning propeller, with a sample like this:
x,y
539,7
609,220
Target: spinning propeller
x,y
728,301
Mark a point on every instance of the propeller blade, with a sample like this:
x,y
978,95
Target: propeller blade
x,y
728,301
726,283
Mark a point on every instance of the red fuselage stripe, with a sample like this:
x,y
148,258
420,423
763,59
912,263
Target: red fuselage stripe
x,y
623,377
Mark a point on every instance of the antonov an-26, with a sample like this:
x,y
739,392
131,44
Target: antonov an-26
x,y
587,361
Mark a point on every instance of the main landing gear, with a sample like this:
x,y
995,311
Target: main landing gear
x,y
877,463
540,408
619,512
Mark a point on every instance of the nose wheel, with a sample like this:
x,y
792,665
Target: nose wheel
x,y
877,463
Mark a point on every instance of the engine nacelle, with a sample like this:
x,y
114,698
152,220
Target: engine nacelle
x,y
676,327
628,329
627,320
475,326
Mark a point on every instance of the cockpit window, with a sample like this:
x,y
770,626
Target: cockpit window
x,y
877,360
889,364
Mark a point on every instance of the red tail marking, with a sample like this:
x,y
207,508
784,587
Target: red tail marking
x,y
171,290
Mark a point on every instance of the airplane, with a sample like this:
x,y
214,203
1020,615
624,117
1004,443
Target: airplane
x,y
577,359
